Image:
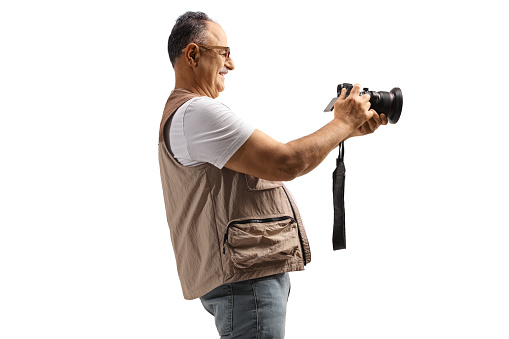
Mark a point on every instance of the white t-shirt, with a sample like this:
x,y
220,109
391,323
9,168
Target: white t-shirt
x,y
204,130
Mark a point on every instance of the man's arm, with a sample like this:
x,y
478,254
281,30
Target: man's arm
x,y
263,157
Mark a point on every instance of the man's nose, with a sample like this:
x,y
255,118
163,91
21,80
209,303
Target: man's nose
x,y
230,64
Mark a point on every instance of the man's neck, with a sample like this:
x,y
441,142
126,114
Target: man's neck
x,y
188,82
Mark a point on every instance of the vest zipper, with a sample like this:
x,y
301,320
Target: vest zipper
x,y
250,221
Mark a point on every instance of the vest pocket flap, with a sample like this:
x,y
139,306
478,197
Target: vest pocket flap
x,y
257,243
257,184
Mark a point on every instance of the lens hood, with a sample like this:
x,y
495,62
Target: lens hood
x,y
396,105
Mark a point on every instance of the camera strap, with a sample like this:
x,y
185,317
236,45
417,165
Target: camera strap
x,y
338,192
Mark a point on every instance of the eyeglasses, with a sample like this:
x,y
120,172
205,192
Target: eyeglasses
x,y
226,56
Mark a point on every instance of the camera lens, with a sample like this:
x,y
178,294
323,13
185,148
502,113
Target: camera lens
x,y
396,105
389,103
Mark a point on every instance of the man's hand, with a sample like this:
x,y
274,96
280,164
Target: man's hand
x,y
369,126
353,111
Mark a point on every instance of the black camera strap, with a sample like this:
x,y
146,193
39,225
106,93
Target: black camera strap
x,y
338,191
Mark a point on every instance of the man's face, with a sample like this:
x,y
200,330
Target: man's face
x,y
212,65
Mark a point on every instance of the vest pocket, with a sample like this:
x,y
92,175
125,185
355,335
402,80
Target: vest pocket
x,y
253,244
257,184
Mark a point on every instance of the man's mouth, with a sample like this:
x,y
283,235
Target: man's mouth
x,y
223,72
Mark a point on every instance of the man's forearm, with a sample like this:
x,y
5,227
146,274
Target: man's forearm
x,y
311,150
263,157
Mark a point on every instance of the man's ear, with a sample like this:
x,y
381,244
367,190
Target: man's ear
x,y
192,55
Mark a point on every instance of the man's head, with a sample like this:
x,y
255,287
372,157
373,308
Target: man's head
x,y
199,53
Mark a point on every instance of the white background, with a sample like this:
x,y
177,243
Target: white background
x,y
85,249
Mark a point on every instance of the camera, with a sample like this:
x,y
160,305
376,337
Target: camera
x,y
389,103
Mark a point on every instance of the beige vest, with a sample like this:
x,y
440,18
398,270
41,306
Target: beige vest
x,y
226,226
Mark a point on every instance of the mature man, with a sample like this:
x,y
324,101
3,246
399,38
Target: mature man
x,y
235,229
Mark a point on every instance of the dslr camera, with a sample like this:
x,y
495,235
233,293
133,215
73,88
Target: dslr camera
x,y
389,103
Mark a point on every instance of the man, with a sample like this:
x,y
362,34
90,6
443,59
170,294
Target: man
x,y
235,229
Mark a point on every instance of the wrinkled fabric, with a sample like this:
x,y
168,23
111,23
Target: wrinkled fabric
x,y
254,308
222,223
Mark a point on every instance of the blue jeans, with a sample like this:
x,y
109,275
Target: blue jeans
x,y
250,309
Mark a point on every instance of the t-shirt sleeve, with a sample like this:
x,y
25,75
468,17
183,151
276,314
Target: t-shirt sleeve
x,y
213,132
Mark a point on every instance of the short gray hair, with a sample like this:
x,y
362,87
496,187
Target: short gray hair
x,y
189,27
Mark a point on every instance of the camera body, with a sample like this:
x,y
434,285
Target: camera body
x,y
389,103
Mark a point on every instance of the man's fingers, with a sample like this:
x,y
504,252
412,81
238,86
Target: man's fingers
x,y
343,93
376,118
367,104
374,122
371,113
356,90
365,97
